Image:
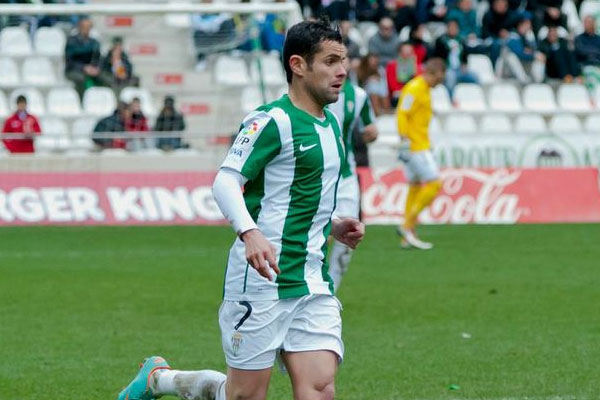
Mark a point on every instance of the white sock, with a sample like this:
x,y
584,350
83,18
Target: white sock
x,y
190,385
338,262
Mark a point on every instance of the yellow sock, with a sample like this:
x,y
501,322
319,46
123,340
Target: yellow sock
x,y
413,190
423,198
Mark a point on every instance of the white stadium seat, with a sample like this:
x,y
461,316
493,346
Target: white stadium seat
x,y
15,42
469,97
55,134
252,98
82,130
565,124
592,124
50,42
4,109
99,101
530,124
440,99
231,71
539,97
35,100
272,71
589,7
38,71
504,97
481,65
9,73
460,124
435,129
574,97
367,30
129,93
63,102
495,124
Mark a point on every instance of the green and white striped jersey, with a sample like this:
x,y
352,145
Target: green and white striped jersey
x,y
353,107
292,161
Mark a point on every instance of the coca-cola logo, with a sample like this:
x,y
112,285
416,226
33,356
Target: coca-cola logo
x,y
467,196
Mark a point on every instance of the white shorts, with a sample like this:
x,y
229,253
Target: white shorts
x,y
254,332
419,166
348,198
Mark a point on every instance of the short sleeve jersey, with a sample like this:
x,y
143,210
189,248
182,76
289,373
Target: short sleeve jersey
x,y
292,161
352,108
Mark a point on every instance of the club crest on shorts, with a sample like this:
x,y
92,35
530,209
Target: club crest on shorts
x,y
236,341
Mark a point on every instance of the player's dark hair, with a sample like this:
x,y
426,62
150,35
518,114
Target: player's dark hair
x,y
304,39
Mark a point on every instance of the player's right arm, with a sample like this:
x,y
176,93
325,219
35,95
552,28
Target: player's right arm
x,y
256,145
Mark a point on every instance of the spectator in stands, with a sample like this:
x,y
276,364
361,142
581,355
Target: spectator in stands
x,y
82,58
466,18
337,10
436,10
21,123
112,125
587,50
169,120
420,45
371,76
521,58
560,57
385,42
370,10
451,48
116,69
213,32
138,123
405,14
272,32
496,25
401,70
352,47
548,13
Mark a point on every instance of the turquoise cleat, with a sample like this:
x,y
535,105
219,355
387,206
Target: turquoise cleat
x,y
139,387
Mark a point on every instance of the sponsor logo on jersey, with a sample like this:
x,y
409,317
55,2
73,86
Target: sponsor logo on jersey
x,y
305,148
251,129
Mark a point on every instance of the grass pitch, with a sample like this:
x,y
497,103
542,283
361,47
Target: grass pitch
x,y
493,312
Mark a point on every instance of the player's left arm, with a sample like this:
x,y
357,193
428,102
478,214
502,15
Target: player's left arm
x,y
349,231
367,120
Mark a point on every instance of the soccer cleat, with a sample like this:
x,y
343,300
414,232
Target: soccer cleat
x,y
412,239
139,388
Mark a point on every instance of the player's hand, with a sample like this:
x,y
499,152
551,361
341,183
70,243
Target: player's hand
x,y
349,231
260,254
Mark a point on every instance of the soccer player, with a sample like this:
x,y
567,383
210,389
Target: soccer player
x,y
414,113
278,297
353,109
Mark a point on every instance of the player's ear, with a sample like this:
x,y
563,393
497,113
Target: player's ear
x,y
298,65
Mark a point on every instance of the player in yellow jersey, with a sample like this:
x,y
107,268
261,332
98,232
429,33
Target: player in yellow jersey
x,y
414,113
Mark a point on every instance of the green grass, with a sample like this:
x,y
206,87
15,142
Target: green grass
x,y
80,307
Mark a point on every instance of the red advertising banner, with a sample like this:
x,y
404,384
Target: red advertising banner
x,y
502,196
498,196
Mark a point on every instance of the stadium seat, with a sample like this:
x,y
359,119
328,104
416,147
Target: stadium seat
x,y
498,124
460,124
63,102
272,71
435,129
504,97
569,10
4,109
82,130
539,97
589,7
469,97
356,37
9,73
15,42
367,30
592,124
574,97
99,101
530,124
387,125
252,98
231,71
440,99
481,65
55,134
129,93
178,20
565,124
35,100
50,42
38,71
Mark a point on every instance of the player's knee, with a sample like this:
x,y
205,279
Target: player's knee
x,y
317,391
328,392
